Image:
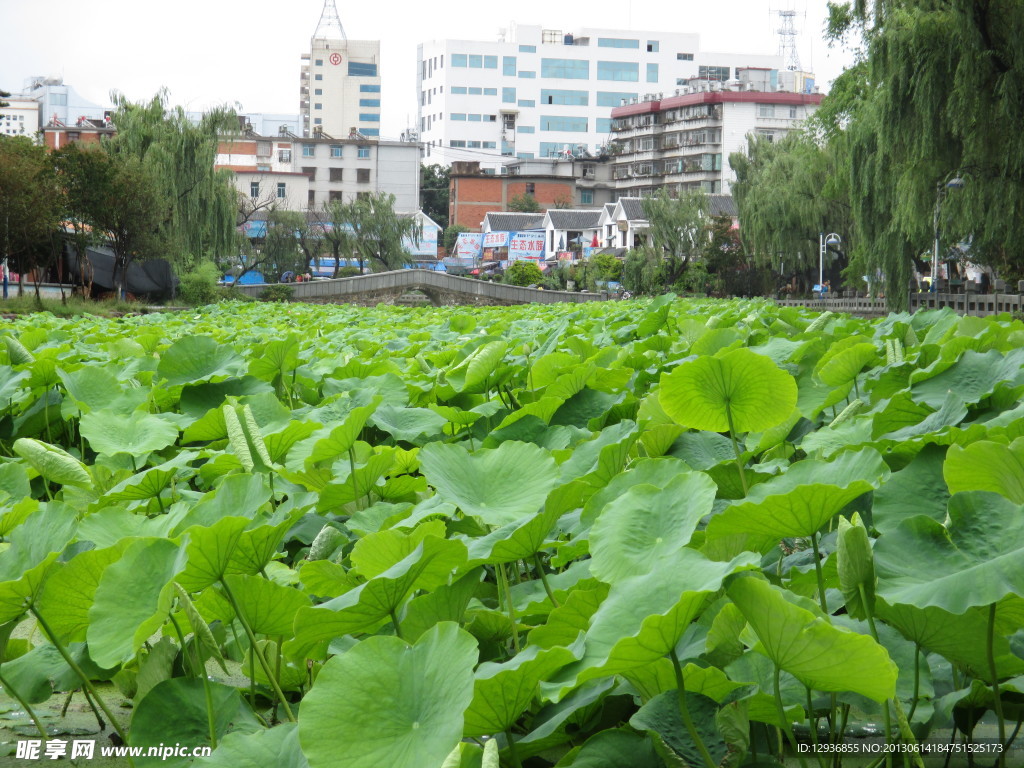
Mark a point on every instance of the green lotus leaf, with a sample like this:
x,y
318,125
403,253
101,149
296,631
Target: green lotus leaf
x,y
408,424
95,388
473,372
796,503
34,546
52,463
502,692
276,358
514,541
856,567
636,532
973,561
844,366
69,592
198,358
499,485
973,377
807,646
133,599
445,603
387,703
917,489
268,607
617,747
277,746
987,466
137,435
375,553
344,436
661,716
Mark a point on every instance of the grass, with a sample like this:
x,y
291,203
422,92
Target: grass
x,y
70,307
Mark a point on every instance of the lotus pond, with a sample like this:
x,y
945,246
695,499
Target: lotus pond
x,y
636,534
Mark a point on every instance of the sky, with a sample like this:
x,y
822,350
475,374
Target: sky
x,y
247,54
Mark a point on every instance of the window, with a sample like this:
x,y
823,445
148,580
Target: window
x,y
311,198
309,150
527,75
684,57
508,65
525,129
284,156
490,145
652,46
58,99
254,189
319,62
310,171
457,116
563,123
317,120
363,175
617,42
527,48
318,91
476,61
369,89
369,117
318,106
364,152
604,125
524,155
334,195
336,174
336,150
475,118
508,95
475,91
527,103
792,112
282,190
586,197
456,143
370,131
652,73
369,102
361,69
459,90
571,69
713,73
459,60
613,98
552,148
490,62
531,188
318,77
473,144
766,110
568,98
618,70
490,91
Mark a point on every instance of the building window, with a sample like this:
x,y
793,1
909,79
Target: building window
x,y
317,120
652,73
571,69
684,57
363,175
652,46
473,144
531,188
508,65
369,102
528,75
334,195
318,77
336,150
527,103
284,156
282,190
310,171
476,91
460,60
309,150
490,62
613,98
490,91
361,69
586,196
567,98
311,198
766,110
457,143
369,117
604,125
369,89
254,189
792,112
476,61
370,131
364,153
617,42
58,99
527,48
475,118
490,145
336,174
318,91
525,129
459,90
319,62
618,70
563,123
705,72
457,116
318,106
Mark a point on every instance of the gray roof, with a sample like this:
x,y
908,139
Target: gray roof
x,y
503,221
609,208
633,208
721,205
574,220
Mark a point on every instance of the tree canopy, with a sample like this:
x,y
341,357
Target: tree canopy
x,y
677,228
434,184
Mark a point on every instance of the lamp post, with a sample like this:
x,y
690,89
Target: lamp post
x,y
952,181
824,241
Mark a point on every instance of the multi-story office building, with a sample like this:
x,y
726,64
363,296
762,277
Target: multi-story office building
x,y
59,104
683,141
541,93
340,81
20,117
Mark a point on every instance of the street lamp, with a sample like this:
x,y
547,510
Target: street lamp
x,y
953,181
823,242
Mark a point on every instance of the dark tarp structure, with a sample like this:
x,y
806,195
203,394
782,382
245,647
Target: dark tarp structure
x,y
153,277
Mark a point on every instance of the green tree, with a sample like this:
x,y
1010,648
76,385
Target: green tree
x,y
644,271
605,267
435,181
523,273
3,95
524,203
677,228
370,228
30,205
943,101
451,234
281,251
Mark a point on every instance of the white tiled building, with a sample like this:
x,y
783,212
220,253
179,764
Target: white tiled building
x,y
20,117
539,92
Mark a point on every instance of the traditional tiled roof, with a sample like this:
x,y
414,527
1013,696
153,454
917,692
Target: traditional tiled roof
x,y
503,221
633,208
574,220
721,205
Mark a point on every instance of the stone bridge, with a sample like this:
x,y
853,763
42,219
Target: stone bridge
x,y
440,288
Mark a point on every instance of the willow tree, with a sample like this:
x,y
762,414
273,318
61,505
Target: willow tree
x,y
943,101
180,155
677,227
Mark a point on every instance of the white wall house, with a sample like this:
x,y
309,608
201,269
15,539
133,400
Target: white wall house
x,y
540,92
20,117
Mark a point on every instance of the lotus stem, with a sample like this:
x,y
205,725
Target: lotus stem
x,y
684,712
812,721
917,681
819,575
874,633
997,703
512,749
24,705
736,449
506,590
544,579
787,727
398,626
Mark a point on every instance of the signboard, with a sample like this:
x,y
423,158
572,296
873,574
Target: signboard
x,y
526,246
468,245
496,239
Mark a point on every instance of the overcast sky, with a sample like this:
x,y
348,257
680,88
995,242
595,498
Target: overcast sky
x,y
210,52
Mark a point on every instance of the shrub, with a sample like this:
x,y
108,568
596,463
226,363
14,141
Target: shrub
x,y
199,285
277,292
231,293
349,272
524,273
605,267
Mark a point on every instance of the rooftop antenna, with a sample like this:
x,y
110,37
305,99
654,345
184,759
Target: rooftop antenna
x,y
787,40
330,27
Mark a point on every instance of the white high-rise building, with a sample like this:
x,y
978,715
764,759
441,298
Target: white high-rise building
x,y
340,82
542,93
